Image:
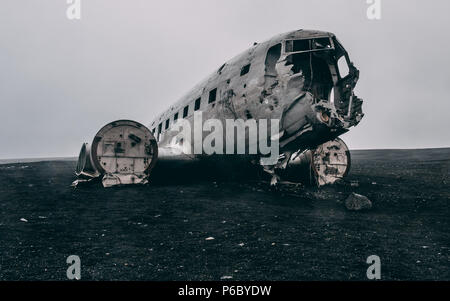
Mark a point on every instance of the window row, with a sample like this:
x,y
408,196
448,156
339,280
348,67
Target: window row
x,y
211,99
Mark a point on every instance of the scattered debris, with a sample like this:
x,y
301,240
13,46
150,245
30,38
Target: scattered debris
x,y
24,220
357,202
209,238
226,277
354,184
241,244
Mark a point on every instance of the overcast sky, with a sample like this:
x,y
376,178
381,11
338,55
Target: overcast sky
x,y
61,80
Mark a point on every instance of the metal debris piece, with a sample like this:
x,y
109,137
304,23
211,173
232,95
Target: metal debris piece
x,y
123,152
324,165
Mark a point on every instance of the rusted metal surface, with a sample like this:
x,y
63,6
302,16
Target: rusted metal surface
x,y
123,152
326,164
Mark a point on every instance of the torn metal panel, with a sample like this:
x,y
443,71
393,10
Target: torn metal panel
x,y
85,167
114,179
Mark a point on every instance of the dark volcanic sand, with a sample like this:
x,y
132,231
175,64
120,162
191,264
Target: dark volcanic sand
x,y
157,232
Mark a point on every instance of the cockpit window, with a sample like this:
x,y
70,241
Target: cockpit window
x,y
297,45
322,43
307,45
343,67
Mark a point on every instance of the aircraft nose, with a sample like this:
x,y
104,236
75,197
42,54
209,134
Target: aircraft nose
x,y
308,122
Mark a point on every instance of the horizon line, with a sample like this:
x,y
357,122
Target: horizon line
x,y
353,149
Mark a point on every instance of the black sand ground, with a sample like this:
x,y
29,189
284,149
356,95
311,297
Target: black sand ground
x,y
158,232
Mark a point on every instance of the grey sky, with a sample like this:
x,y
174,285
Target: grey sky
x,y
61,80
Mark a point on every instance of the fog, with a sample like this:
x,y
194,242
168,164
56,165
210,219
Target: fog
x,y
61,80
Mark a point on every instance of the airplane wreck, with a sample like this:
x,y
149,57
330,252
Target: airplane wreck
x,y
303,79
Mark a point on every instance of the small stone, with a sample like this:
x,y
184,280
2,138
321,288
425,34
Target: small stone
x,y
357,202
226,277
209,238
24,220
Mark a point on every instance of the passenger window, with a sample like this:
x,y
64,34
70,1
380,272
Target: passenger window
x,y
175,117
212,95
185,111
245,69
197,104
221,68
160,128
167,124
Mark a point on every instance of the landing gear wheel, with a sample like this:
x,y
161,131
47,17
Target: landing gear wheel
x,y
331,162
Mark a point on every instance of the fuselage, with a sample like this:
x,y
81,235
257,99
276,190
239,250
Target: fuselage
x,y
293,78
